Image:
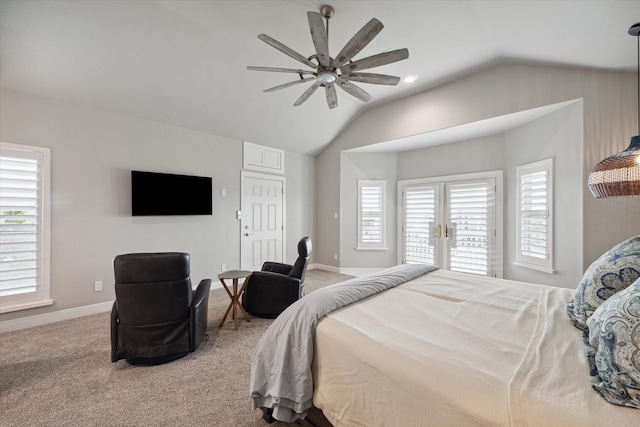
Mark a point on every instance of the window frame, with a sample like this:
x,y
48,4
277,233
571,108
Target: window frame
x,y
42,295
369,245
521,259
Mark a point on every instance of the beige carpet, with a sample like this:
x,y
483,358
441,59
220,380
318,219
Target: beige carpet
x,y
61,375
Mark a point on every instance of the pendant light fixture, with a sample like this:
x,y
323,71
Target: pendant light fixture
x,y
619,175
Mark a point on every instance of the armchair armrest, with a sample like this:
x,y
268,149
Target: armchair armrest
x,y
201,294
277,267
273,279
114,332
198,314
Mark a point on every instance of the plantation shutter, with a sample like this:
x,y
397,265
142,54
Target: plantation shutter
x,y
371,203
470,226
534,215
420,224
23,227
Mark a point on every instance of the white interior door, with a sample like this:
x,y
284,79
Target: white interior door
x,y
262,230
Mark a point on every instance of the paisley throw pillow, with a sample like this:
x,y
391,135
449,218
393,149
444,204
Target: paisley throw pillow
x,y
612,272
613,350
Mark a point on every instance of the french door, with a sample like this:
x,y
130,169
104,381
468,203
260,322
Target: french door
x,y
451,223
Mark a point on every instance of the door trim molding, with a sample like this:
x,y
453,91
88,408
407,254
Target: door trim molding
x,y
498,175
249,174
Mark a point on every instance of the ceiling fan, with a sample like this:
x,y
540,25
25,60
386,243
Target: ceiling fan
x,y
340,71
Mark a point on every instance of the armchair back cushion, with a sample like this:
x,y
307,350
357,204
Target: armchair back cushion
x,y
152,288
304,253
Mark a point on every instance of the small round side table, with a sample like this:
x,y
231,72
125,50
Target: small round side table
x,y
235,295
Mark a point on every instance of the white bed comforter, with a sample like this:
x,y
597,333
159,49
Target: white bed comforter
x,y
281,376
451,349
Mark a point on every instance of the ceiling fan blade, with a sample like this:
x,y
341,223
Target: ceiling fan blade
x,y
358,42
377,60
353,90
279,70
332,97
307,93
376,79
297,82
286,50
319,37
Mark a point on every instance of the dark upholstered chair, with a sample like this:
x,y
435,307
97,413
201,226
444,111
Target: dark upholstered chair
x,y
277,286
156,317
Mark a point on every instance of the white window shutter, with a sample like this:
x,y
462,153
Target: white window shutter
x,y
534,234
420,224
371,214
470,226
24,227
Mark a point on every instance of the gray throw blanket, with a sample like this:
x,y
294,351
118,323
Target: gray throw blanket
x,y
281,365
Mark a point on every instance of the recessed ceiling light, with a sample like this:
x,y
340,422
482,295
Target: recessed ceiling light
x,y
410,79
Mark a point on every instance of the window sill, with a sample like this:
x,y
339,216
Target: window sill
x,y
25,305
535,267
366,248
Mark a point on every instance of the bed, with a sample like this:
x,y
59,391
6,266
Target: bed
x,y
434,347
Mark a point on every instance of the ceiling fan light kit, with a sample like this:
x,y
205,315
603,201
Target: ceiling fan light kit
x,y
619,175
330,72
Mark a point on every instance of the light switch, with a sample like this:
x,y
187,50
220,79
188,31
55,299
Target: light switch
x,y
223,192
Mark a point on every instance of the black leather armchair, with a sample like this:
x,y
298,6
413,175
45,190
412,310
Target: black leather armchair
x,y
270,291
156,317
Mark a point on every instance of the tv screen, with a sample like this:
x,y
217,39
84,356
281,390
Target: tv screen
x,y
166,194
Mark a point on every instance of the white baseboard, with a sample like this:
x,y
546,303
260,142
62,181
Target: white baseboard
x,y
359,271
348,271
323,267
72,313
56,316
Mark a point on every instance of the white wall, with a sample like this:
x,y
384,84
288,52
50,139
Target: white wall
x,y
609,121
557,135
93,152
354,167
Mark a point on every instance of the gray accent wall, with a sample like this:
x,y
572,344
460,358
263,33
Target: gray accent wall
x,y
365,166
93,152
600,124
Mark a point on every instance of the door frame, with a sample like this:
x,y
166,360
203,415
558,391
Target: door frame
x,y
265,176
498,267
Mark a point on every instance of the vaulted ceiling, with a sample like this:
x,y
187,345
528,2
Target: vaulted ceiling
x,y
184,62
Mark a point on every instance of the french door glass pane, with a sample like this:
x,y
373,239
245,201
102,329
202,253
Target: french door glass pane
x,y
468,226
420,222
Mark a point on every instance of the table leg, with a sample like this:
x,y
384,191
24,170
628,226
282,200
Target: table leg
x,y
235,303
226,313
246,316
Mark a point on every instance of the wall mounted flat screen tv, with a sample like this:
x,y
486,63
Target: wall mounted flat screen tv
x,y
154,194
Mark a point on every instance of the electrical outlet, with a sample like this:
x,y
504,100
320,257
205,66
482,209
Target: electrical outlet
x,y
223,267
335,256
97,286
